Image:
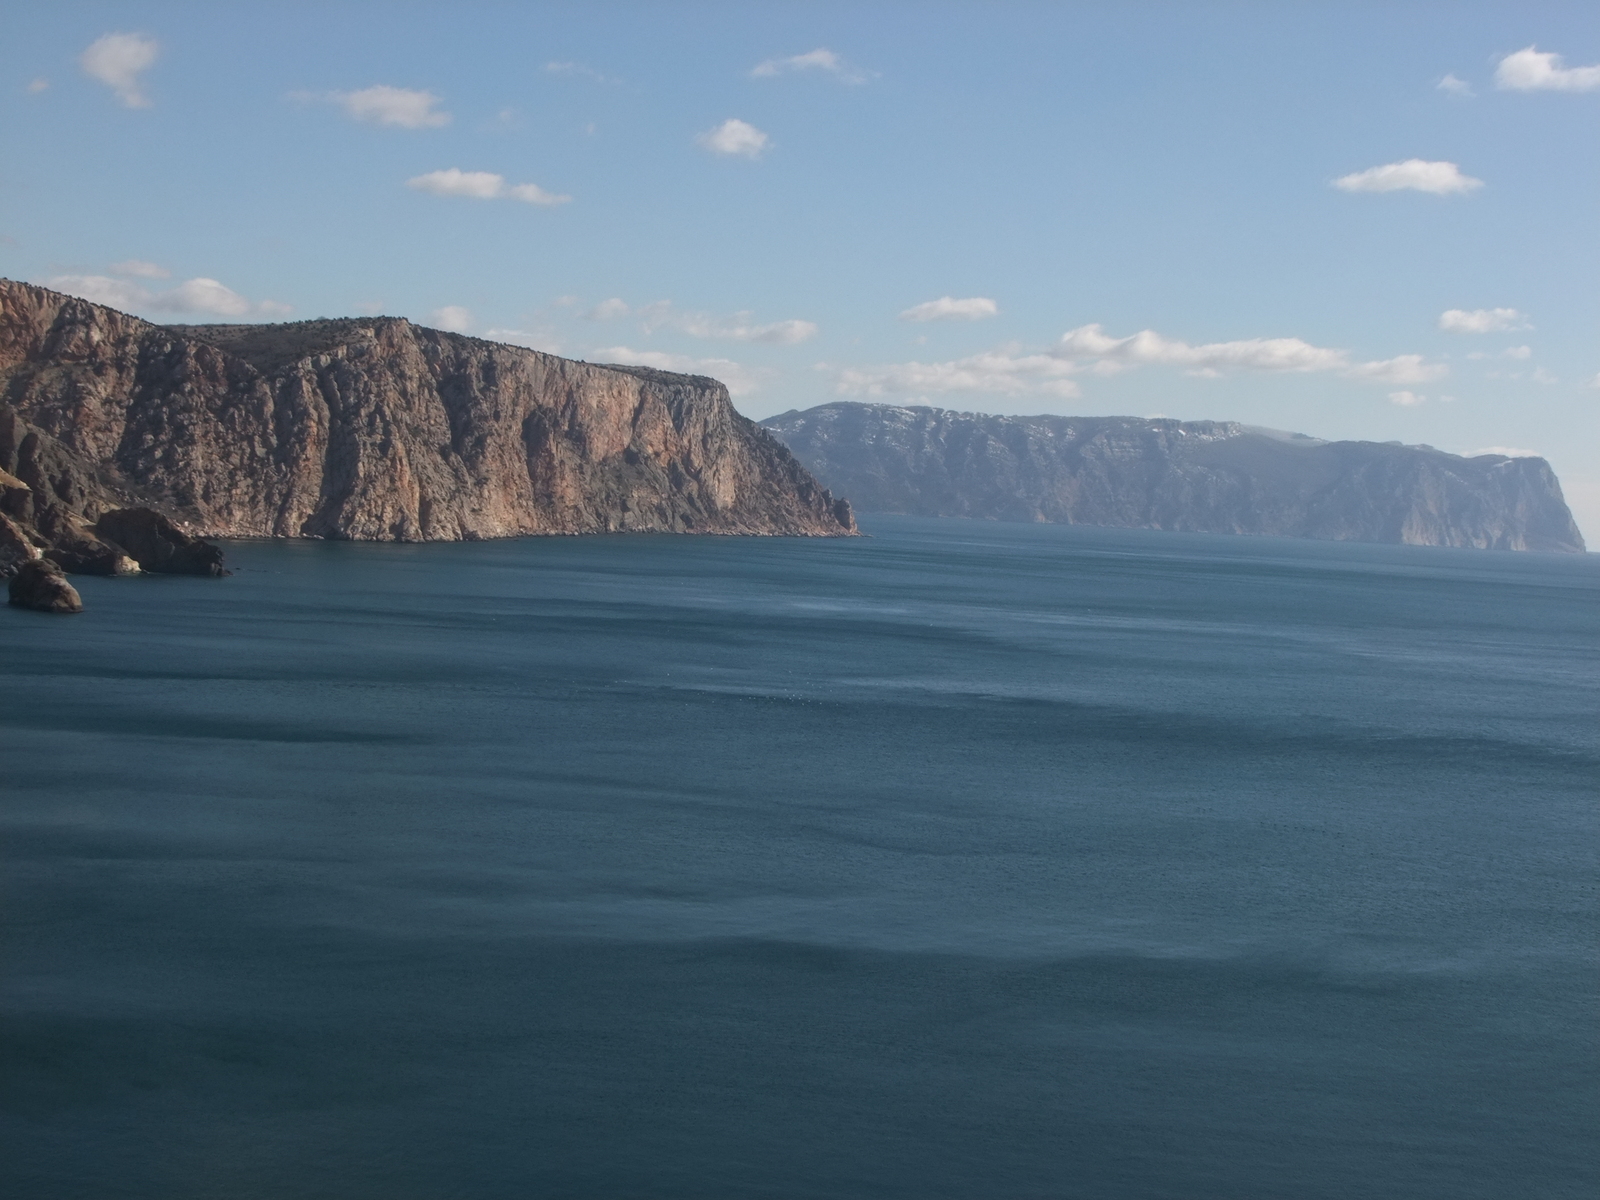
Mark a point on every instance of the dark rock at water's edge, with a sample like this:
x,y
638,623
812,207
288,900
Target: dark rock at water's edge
x,y
369,428
39,584
158,545
1195,476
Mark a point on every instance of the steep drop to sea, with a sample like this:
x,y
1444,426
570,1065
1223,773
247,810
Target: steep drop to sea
x,y
370,429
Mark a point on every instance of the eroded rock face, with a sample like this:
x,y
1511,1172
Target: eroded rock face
x,y
156,544
1198,476
376,429
40,585
16,547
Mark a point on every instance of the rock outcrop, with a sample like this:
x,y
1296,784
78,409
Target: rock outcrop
x,y
372,429
39,584
1199,476
156,544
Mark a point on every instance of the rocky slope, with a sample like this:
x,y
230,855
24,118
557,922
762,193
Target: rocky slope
x,y
372,428
1200,476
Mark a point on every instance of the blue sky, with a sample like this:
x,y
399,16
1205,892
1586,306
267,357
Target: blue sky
x,y
1355,221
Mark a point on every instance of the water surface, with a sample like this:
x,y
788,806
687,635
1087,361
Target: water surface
x,y
966,860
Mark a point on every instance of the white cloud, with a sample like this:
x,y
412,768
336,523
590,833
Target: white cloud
x,y
1456,87
608,310
403,108
532,193
996,371
1257,354
820,59
479,185
1517,352
1530,71
139,269
452,318
205,296
116,60
1540,375
740,380
198,295
483,185
735,138
35,86
1251,354
1504,452
1406,399
946,308
1416,175
1482,320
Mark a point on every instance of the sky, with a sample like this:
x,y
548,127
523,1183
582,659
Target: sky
x,y
1373,221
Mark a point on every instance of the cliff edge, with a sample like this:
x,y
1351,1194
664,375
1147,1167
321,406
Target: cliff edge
x,y
372,428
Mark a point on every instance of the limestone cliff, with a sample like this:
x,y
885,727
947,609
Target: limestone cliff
x,y
374,429
1199,476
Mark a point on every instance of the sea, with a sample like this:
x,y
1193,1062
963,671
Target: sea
x,y
963,860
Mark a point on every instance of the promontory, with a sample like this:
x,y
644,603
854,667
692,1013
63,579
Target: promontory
x,y
369,428
1193,476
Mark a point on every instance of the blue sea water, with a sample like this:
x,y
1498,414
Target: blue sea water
x,y
965,860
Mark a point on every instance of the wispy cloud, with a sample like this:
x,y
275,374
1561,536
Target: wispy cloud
x,y
1456,87
998,372
1414,175
580,71
1504,452
483,185
1406,399
1281,355
139,269
533,339
117,60
1483,320
947,308
735,138
737,328
1532,71
199,295
821,59
1009,371
740,380
608,310
399,108
35,86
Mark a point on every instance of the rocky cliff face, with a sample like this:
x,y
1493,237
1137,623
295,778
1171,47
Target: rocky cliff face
x,y
1199,476
375,429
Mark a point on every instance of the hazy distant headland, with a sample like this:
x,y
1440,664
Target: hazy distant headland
x,y
1196,476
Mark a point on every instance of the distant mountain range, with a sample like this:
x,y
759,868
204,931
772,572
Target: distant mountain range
x,y
369,428
1198,476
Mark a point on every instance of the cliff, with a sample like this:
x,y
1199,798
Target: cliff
x,y
371,429
1199,476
